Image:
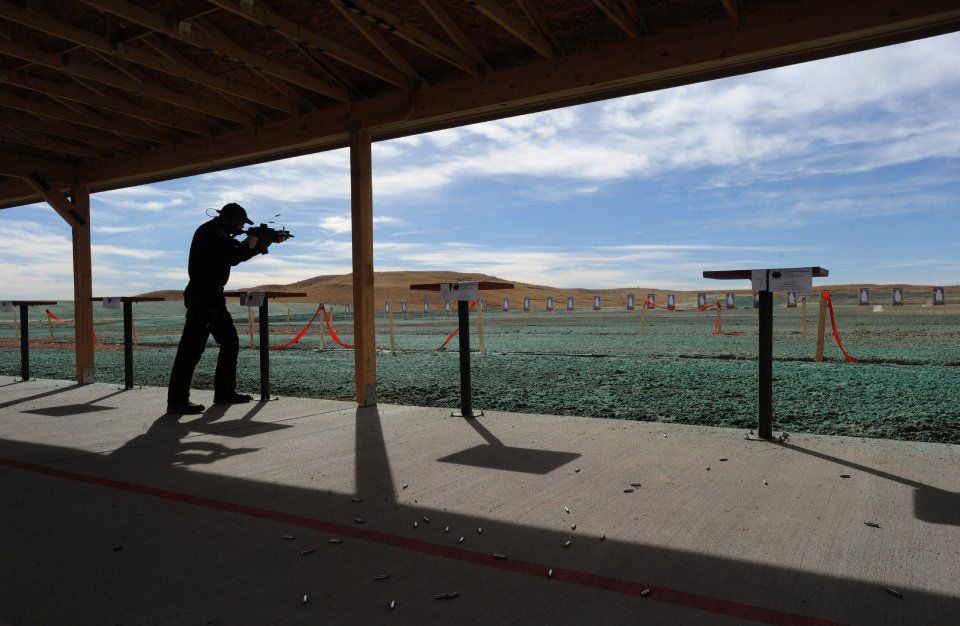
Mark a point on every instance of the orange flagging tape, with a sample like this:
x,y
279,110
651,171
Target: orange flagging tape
x,y
717,330
454,333
833,322
333,335
56,319
299,335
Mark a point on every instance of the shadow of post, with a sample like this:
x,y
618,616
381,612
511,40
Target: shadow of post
x,y
495,455
930,504
372,474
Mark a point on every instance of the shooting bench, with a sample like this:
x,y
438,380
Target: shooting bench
x,y
260,299
765,283
463,292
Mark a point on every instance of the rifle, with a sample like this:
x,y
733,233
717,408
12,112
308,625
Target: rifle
x,y
266,236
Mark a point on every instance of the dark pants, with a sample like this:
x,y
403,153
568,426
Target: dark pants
x,y
199,326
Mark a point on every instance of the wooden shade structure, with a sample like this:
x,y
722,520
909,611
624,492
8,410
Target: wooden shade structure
x,y
104,94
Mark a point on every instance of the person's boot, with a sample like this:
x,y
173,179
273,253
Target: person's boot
x,y
232,398
185,408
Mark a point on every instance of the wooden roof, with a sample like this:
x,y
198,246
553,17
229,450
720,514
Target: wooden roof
x,y
111,93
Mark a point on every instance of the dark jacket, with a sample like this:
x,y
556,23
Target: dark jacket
x,y
212,253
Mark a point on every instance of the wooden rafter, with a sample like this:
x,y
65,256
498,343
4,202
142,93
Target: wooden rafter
x,y
633,12
326,66
619,16
260,13
378,41
533,10
22,166
411,34
74,132
15,135
183,31
130,129
281,87
55,198
119,81
453,30
515,26
732,7
118,55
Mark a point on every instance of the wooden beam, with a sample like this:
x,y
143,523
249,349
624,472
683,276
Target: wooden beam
x,y
378,41
618,15
22,166
327,66
29,123
118,53
260,13
449,26
411,34
533,10
14,135
779,35
732,7
515,26
60,203
106,102
83,289
16,192
364,308
184,31
130,129
633,12
125,83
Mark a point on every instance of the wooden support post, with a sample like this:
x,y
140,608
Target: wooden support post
x,y
288,320
323,331
719,328
643,317
483,347
361,209
821,329
393,338
765,365
50,324
82,285
250,325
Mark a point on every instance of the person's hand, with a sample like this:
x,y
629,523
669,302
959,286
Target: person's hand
x,y
252,242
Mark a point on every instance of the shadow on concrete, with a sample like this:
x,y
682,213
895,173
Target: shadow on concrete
x,y
495,455
930,504
165,561
37,396
66,410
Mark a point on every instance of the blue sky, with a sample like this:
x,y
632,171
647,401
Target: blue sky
x,y
851,163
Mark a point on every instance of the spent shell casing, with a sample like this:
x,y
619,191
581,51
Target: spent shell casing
x,y
336,541
358,520
416,524
844,475
724,459
446,529
405,485
381,576
603,536
304,598
635,485
305,552
499,556
645,592
566,544
356,499
393,604
566,509
549,573
426,519
479,531
460,540
894,593
577,470
872,524
573,526
289,537
628,490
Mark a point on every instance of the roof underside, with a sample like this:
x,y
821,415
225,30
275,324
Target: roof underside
x,y
111,93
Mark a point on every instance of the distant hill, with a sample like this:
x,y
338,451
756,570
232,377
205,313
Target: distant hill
x,y
395,287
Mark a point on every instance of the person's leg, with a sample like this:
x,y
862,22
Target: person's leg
x,y
225,334
193,341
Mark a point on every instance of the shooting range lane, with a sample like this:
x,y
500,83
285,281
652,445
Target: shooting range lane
x,y
710,544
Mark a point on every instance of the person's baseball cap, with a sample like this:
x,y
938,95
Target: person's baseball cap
x,y
233,212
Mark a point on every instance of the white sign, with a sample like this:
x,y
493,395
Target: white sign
x,y
898,295
651,300
731,300
506,304
569,303
446,306
938,295
111,303
791,299
403,306
701,299
549,303
386,307
596,303
671,301
426,306
252,298
630,302
526,303
6,306
799,279
864,296
460,291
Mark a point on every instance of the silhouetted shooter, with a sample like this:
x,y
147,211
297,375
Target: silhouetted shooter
x,y
212,253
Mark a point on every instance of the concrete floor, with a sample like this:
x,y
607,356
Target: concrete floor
x,y
113,513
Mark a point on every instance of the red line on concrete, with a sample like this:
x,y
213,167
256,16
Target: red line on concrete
x,y
650,592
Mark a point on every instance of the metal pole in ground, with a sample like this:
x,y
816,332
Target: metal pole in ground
x,y
264,352
128,345
765,358
466,401
821,328
24,343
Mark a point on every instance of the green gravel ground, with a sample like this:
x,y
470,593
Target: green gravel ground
x,y
906,385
